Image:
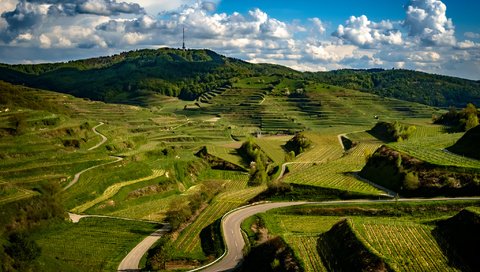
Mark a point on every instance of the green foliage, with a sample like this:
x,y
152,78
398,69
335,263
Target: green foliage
x,y
182,209
298,144
392,132
132,75
433,90
23,250
412,177
459,234
258,161
158,255
462,120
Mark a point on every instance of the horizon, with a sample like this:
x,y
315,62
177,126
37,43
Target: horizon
x,y
433,36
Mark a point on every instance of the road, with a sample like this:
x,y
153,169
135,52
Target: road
x,y
234,242
104,139
77,175
132,261
233,237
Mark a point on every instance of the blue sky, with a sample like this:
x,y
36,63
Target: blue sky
x,y
437,36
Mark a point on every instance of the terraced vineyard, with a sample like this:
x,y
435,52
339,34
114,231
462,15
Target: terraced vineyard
x,y
337,171
406,246
149,162
432,149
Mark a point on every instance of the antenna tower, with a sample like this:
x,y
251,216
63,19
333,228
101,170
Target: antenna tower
x,y
183,44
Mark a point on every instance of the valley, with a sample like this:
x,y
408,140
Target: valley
x,y
318,161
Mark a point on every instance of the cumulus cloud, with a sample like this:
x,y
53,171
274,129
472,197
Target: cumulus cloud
x,y
472,35
319,26
362,32
427,20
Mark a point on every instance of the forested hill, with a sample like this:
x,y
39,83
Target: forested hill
x,y
120,78
430,89
125,77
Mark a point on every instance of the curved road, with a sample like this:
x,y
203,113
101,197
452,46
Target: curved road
x,y
104,139
234,242
131,262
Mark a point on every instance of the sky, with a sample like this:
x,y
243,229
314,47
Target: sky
x,y
436,36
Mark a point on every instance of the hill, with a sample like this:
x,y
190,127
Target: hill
x,y
125,77
459,235
429,89
132,77
469,144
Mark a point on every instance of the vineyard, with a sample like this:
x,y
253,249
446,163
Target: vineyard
x,y
432,150
406,246
338,172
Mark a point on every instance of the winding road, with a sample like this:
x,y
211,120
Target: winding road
x,y
233,237
132,261
104,139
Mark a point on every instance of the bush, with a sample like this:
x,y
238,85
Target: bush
x,y
298,143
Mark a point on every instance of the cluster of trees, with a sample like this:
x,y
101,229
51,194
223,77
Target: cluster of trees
x,y
298,144
461,120
258,161
392,132
182,209
18,251
410,176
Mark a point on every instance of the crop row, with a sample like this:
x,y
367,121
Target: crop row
x,y
305,248
407,246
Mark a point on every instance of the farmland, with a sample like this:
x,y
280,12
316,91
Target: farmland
x,y
167,159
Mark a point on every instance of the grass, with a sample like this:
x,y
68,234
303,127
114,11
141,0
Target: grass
x,y
93,244
113,189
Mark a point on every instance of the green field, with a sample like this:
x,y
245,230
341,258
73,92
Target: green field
x,y
93,244
157,139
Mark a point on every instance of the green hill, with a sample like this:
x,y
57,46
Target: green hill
x,y
433,90
469,144
127,76
132,77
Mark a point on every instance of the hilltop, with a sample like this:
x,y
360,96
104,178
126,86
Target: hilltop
x,y
469,144
130,77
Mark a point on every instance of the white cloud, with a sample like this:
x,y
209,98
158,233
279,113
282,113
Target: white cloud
x,y
329,52
427,20
362,32
318,25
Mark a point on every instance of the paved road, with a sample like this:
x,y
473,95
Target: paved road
x,y
104,139
233,236
234,239
132,260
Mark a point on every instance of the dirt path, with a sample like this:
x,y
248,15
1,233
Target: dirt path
x,y
104,139
114,189
77,175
